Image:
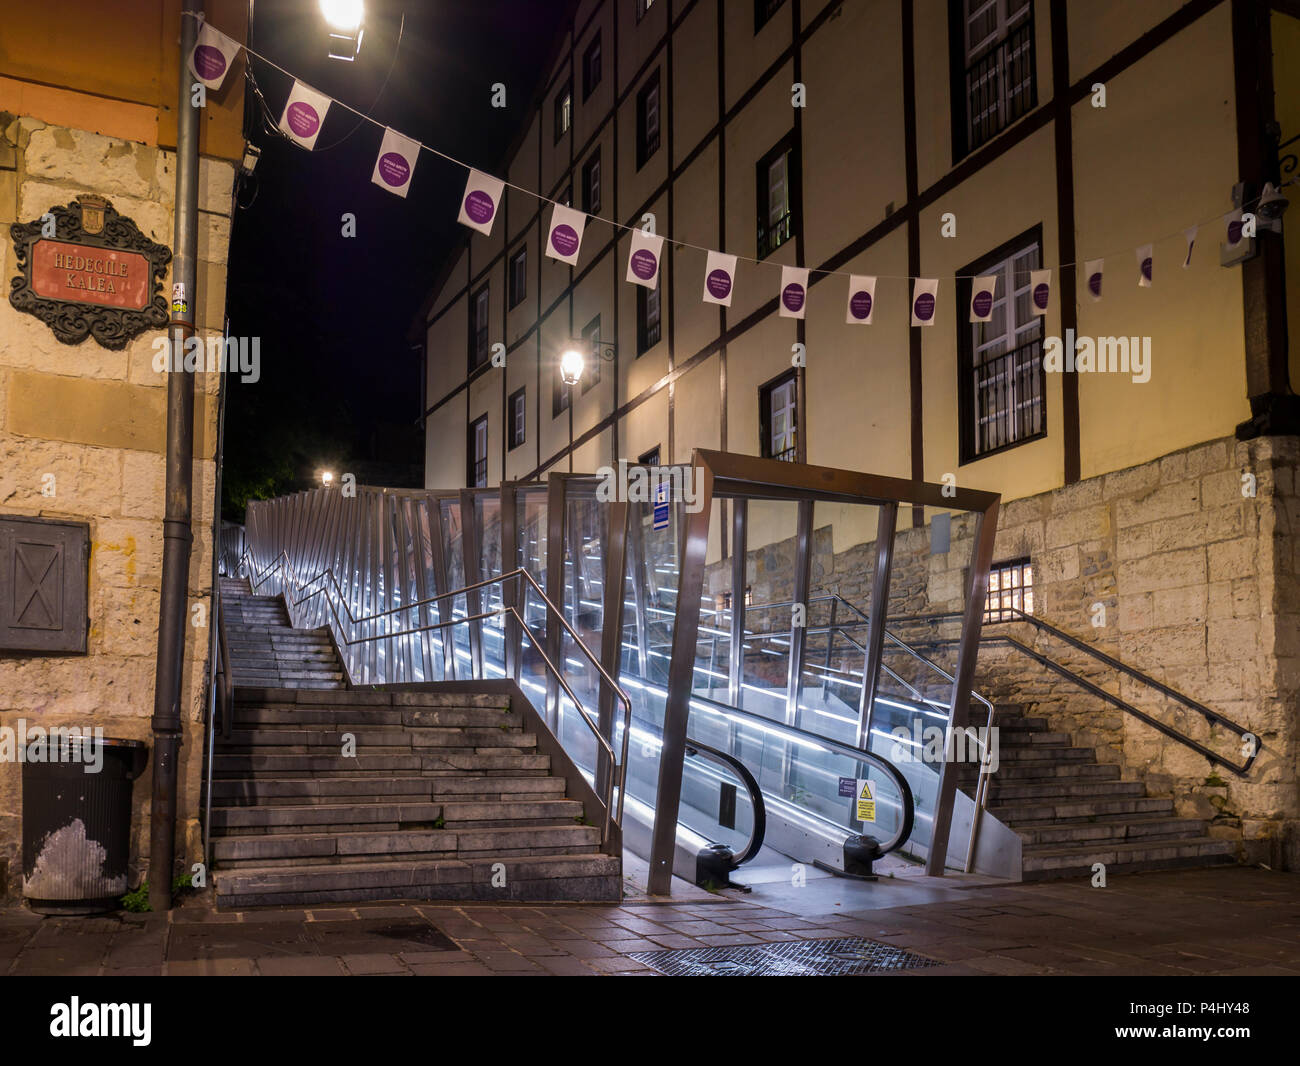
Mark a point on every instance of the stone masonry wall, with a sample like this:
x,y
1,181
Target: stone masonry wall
x,y
95,419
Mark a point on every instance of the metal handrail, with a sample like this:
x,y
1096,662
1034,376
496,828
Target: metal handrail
x,y
755,843
1212,716
344,635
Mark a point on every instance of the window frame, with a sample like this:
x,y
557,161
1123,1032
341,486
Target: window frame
x,y
517,286
644,342
483,293
642,459
516,404
644,150
593,51
787,146
472,460
565,93
966,348
590,204
1022,589
765,394
591,336
960,63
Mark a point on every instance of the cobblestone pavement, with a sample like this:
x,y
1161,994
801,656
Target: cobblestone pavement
x,y
1219,921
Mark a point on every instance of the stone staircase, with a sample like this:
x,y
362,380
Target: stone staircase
x,y
1070,811
266,651
439,795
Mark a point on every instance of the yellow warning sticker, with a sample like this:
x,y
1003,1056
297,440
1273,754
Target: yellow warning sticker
x,y
866,802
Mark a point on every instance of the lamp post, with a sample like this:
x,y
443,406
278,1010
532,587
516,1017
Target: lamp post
x,y
573,362
344,18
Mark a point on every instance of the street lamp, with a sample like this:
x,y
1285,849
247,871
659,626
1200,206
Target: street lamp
x,y
326,477
572,364
344,18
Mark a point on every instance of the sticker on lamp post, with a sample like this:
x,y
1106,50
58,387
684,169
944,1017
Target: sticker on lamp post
x,y
866,801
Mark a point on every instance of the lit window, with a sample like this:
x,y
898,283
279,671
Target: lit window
x,y
1011,589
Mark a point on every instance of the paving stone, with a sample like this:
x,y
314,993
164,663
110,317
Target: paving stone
x,y
372,964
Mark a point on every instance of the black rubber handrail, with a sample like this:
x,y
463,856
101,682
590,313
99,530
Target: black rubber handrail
x,y
755,842
1212,716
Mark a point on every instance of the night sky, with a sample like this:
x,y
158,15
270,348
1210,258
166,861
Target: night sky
x,y
340,382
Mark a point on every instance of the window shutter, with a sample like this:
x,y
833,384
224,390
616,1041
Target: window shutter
x,y
44,579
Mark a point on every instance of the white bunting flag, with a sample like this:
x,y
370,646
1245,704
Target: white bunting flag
x,y
794,292
924,298
719,278
565,236
1040,290
213,53
1190,234
643,260
1144,266
1092,277
304,114
396,163
982,292
482,197
862,300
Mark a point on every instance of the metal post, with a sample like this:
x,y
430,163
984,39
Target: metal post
x,y
878,612
959,713
555,502
681,671
611,625
177,536
739,536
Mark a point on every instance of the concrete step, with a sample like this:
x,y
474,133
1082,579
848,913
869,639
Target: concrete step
x,y
392,737
1036,771
1047,753
518,788
369,845
544,877
1027,813
1018,738
304,765
1110,830
1042,862
288,818
302,714
1063,788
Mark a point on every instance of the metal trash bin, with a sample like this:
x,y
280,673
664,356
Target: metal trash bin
x,y
77,822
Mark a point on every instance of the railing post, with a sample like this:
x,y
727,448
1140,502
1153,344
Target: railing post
x,y
611,627
739,550
885,526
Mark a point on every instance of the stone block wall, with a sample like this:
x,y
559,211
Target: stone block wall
x,y
95,419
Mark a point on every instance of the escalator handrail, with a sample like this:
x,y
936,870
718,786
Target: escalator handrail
x,y
755,790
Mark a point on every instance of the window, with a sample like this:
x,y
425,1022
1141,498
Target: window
x,y
591,67
778,196
478,329
518,277
993,68
778,416
477,453
591,184
642,6
564,111
561,394
650,458
647,317
647,120
591,344
1011,585
517,411
1002,385
764,10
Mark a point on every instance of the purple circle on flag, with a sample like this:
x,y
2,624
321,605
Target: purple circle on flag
x,y
564,239
1234,231
479,207
1042,293
982,304
860,305
644,264
923,308
209,63
1146,268
792,296
1094,283
303,119
394,169
718,283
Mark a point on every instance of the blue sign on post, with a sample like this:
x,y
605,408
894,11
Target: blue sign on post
x,y
661,505
847,786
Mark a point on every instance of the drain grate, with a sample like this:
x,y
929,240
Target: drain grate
x,y
793,958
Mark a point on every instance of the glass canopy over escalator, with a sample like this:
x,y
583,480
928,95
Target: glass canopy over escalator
x,y
741,621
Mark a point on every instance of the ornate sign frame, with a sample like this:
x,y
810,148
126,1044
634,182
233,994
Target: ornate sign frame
x,y
91,222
